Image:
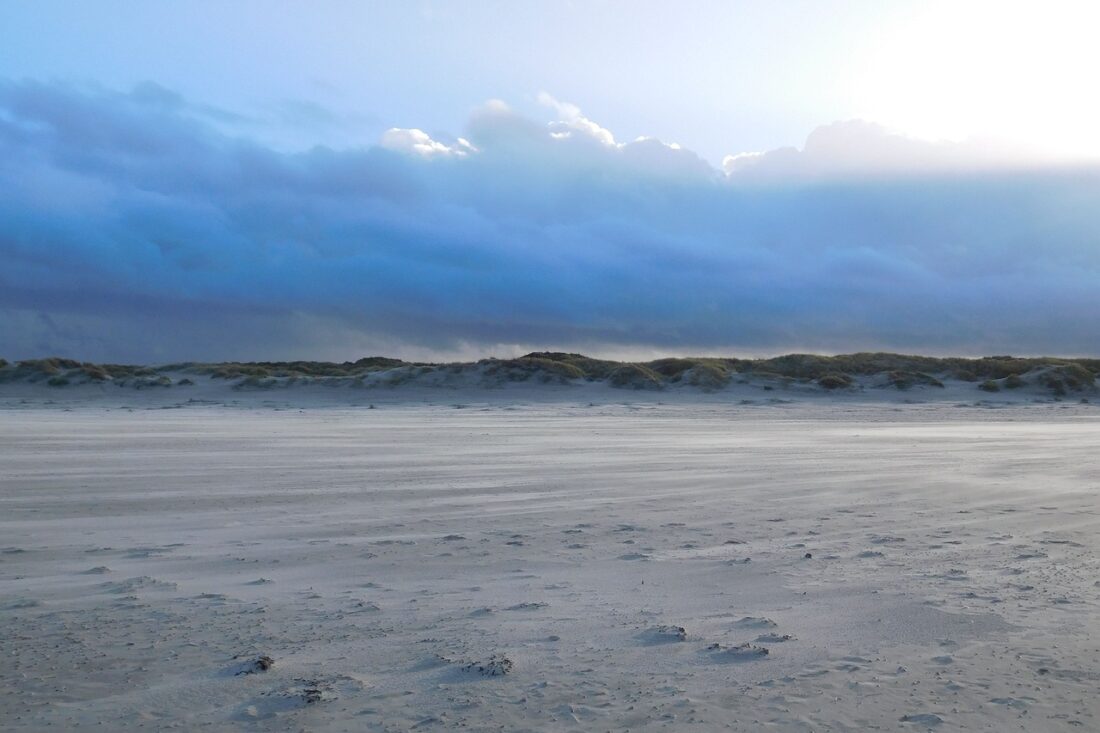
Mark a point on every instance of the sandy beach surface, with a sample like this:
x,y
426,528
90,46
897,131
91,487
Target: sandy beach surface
x,y
565,566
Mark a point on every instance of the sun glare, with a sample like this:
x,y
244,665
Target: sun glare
x,y
1021,73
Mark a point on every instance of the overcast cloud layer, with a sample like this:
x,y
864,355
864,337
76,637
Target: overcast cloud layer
x,y
140,226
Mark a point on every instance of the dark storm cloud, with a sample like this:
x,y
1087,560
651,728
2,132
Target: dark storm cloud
x,y
138,226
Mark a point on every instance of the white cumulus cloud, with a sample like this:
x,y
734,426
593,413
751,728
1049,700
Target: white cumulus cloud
x,y
418,142
572,122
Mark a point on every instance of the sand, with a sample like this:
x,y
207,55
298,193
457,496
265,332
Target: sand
x,y
521,564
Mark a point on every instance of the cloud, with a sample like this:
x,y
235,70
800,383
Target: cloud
x,y
572,122
857,148
135,227
420,143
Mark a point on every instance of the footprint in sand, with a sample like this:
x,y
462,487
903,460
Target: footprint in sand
x,y
253,666
663,634
130,585
497,665
755,622
528,606
741,653
928,719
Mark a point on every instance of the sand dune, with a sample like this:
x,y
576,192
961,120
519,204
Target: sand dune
x,y
548,565
554,376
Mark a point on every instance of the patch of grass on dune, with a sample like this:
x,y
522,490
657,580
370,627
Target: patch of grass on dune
x,y
256,381
905,380
814,366
1064,378
671,368
708,376
835,381
33,370
634,376
95,373
674,368
1058,376
527,367
36,370
1076,376
287,369
377,363
589,367
49,366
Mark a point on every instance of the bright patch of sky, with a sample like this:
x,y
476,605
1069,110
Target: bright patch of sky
x,y
719,78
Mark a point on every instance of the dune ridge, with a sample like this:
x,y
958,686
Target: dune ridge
x,y
860,373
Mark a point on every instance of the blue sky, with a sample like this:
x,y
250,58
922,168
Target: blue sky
x,y
287,180
707,75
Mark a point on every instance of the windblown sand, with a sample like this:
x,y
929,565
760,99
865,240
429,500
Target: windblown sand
x,y
551,567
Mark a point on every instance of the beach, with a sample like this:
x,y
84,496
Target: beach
x,y
551,565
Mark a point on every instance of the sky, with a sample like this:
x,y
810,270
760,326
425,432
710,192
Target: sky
x,y
273,180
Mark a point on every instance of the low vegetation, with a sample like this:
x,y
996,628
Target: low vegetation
x,y
634,376
708,377
526,367
1056,376
834,381
902,379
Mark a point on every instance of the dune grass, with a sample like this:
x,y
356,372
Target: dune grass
x,y
835,381
1057,375
634,376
